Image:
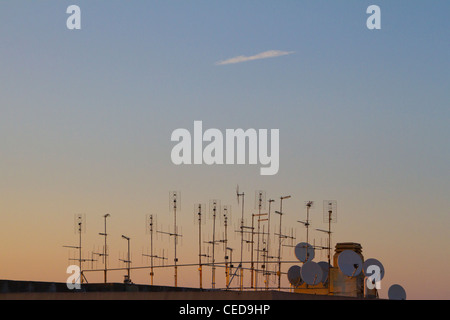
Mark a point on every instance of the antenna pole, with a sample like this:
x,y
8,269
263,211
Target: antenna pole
x,y
79,248
329,248
128,261
268,245
105,250
151,250
257,250
279,242
252,268
260,193
242,239
128,271
106,264
279,254
173,197
213,273
231,266
308,206
200,244
175,242
227,271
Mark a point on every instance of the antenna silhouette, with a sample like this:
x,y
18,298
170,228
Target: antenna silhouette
x,y
150,224
175,203
198,212
127,261
79,227
230,270
260,203
309,205
238,195
105,249
268,244
214,207
226,213
280,236
329,215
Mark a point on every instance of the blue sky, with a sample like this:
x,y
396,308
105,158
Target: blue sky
x,y
363,115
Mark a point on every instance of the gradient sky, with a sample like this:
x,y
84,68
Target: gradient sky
x,y
86,119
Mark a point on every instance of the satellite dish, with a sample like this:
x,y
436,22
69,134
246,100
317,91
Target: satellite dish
x,y
396,292
373,262
304,252
294,276
311,273
325,266
350,263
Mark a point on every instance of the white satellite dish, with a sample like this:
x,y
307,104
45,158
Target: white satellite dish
x,y
396,292
373,262
304,252
311,273
350,263
325,267
294,276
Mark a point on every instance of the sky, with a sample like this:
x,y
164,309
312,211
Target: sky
x,y
87,117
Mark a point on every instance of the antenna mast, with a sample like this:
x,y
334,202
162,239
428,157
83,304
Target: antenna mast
x,y
242,237
268,245
279,240
226,212
128,261
105,250
214,207
198,211
175,198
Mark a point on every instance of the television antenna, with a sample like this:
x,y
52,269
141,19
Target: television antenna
x,y
258,242
239,195
329,216
268,244
244,230
280,237
290,236
80,228
230,269
174,204
198,220
214,209
127,261
260,203
150,228
150,223
309,205
105,249
226,214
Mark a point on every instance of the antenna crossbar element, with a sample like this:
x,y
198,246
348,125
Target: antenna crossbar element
x,y
170,233
324,231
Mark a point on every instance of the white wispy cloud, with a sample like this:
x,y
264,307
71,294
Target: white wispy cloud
x,y
262,55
